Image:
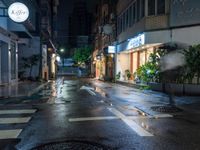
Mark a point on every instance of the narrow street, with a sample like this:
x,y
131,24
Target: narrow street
x,y
90,114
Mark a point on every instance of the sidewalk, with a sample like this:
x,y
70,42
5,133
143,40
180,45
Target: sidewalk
x,y
143,99
18,89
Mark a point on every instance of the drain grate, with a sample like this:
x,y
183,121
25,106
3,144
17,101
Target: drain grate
x,y
72,145
166,109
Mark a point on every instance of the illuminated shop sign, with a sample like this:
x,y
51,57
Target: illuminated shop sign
x,y
18,12
136,41
111,49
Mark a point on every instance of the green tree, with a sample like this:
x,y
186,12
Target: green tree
x,y
29,62
192,58
150,71
82,55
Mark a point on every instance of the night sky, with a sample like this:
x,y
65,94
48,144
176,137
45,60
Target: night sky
x,y
64,10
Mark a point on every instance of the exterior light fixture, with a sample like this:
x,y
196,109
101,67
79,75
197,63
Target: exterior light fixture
x,y
62,50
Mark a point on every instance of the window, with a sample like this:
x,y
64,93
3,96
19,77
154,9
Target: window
x,y
142,8
151,7
160,7
130,16
126,19
138,10
119,25
133,14
124,22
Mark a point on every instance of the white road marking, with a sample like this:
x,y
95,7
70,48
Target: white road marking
x,y
163,116
22,111
91,92
89,89
86,87
10,134
115,117
92,118
134,126
14,120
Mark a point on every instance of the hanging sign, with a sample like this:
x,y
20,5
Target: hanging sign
x,y
18,12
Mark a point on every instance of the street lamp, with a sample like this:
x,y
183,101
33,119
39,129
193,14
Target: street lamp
x,y
62,50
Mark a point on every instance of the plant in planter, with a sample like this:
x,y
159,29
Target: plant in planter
x,y
128,74
118,75
150,71
192,58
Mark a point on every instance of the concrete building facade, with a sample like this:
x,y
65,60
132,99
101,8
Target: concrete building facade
x,y
104,30
145,25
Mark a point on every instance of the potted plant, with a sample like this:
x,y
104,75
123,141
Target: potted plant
x,y
128,74
118,75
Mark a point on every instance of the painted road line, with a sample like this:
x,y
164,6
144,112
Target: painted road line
x,y
115,117
9,134
21,111
88,89
90,92
134,126
92,118
14,120
163,116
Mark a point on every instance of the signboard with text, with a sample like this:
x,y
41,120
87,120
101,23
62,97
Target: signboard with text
x,y
18,12
136,41
111,49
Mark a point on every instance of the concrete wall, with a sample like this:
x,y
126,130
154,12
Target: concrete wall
x,y
189,35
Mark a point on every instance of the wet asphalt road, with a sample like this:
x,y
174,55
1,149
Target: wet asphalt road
x,y
74,112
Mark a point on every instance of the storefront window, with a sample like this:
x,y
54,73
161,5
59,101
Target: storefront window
x,y
142,57
135,61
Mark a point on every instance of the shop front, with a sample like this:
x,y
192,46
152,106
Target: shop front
x,y
104,63
135,52
100,66
8,59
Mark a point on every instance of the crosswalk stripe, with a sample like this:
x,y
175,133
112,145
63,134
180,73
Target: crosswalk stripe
x,y
92,118
22,111
14,120
13,133
10,134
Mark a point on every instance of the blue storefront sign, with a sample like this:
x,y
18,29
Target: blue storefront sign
x,y
136,41
132,43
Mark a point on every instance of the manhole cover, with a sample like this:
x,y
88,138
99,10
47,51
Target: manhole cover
x,y
72,145
166,109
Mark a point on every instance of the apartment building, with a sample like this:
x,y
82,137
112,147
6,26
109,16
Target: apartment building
x,y
145,25
103,60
